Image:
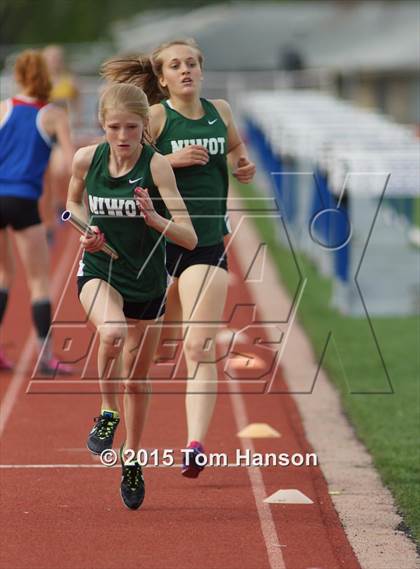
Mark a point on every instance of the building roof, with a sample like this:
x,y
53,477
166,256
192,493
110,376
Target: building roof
x,y
240,36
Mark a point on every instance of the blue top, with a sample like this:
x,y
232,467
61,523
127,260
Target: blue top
x,y
24,150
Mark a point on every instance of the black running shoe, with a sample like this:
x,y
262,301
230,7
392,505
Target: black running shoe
x,y
132,484
101,436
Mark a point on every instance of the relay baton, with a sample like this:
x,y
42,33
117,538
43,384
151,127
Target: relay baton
x,y
84,228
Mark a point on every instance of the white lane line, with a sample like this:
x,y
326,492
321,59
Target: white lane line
x,y
28,466
98,465
20,374
13,466
268,527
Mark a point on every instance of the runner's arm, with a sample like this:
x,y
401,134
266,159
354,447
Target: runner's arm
x,y
179,228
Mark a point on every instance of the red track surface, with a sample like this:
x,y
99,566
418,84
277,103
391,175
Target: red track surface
x,y
59,518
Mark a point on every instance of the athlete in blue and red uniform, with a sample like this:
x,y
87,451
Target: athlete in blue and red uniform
x,y
28,126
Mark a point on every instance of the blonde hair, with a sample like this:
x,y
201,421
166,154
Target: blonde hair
x,y
128,98
125,97
32,74
145,70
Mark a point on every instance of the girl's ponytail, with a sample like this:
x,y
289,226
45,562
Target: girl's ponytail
x,y
135,70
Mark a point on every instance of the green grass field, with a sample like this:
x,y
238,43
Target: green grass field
x,y
416,215
383,406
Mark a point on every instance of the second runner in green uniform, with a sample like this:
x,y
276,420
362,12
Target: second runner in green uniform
x,y
204,187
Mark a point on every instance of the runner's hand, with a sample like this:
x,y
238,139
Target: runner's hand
x,y
93,243
245,170
146,207
194,155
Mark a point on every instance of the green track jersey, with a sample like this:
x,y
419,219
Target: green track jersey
x,y
203,188
139,274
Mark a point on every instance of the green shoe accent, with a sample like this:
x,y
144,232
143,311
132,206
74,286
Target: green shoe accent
x,y
101,436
